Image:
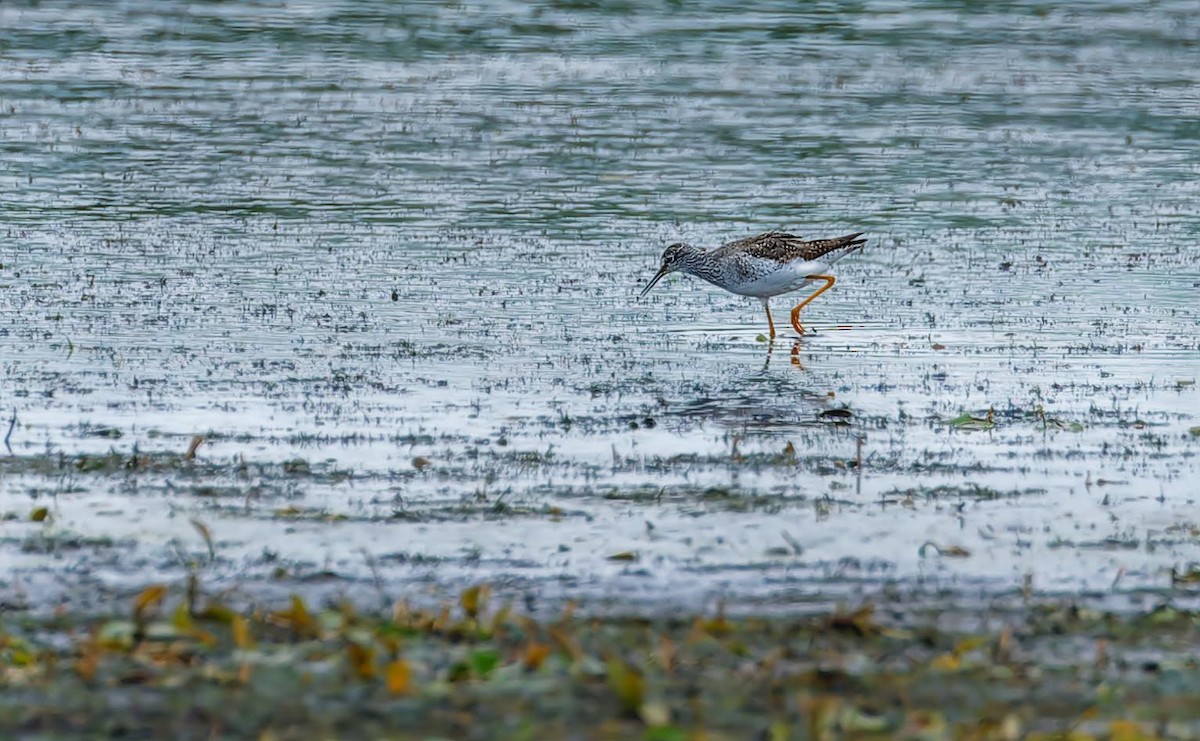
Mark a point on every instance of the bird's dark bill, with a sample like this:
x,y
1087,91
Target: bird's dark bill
x,y
653,280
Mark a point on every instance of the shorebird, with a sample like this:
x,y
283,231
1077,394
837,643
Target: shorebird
x,y
762,266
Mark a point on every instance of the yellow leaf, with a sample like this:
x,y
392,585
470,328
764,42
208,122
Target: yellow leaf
x,y
302,621
241,633
218,612
822,715
1059,736
627,683
535,654
89,658
860,621
472,600
362,660
1127,730
181,619
39,514
718,627
399,677
150,597
948,662
967,645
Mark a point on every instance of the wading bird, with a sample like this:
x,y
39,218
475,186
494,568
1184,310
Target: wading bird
x,y
762,266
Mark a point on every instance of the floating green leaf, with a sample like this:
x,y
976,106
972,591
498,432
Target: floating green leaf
x,y
967,421
483,662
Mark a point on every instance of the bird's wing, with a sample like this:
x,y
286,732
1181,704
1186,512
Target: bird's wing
x,y
767,244
785,247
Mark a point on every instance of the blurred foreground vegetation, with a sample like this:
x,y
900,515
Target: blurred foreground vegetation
x,y
180,666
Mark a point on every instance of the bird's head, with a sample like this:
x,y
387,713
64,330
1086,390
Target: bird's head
x,y
673,259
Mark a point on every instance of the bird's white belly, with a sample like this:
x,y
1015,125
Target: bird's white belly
x,y
784,279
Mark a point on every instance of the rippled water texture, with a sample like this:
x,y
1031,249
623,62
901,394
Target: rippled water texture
x,y
384,259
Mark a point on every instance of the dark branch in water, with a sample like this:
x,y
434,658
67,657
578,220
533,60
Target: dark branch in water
x,y
11,424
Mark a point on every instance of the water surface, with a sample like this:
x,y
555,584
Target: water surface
x,y
384,260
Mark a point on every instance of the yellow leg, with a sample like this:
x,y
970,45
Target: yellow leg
x,y
829,281
770,322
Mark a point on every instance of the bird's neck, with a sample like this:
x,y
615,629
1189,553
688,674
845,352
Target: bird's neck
x,y
697,261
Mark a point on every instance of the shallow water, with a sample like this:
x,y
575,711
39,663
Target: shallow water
x,y
336,239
